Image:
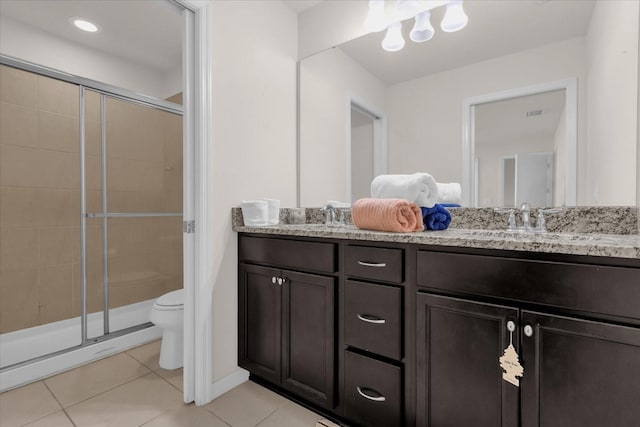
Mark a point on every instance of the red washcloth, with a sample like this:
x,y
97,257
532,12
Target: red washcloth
x,y
395,215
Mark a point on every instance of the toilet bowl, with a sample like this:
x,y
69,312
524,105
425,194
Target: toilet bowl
x,y
167,313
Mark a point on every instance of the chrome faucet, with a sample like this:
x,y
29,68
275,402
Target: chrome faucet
x,y
525,210
330,214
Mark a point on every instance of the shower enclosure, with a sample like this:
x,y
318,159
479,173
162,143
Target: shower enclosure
x,y
90,215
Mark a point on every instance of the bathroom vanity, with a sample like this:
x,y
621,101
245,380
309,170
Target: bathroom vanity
x,y
383,329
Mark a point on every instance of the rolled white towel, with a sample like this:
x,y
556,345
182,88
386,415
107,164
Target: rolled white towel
x,y
337,204
450,193
419,188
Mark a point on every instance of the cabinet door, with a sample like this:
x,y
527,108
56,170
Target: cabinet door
x,y
459,379
259,321
308,347
580,373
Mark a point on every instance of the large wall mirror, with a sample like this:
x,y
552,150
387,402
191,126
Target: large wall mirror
x,y
439,101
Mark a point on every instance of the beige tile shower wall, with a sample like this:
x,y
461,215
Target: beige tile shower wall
x,y
144,164
40,270
39,198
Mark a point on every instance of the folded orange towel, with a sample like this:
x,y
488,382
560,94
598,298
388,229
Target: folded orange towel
x,y
396,215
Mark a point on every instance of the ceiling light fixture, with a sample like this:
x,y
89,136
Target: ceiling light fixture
x,y
85,25
393,41
454,20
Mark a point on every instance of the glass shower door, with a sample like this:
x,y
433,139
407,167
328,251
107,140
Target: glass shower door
x,y
39,216
138,254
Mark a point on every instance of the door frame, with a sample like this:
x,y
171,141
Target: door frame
x,y
380,139
197,203
570,86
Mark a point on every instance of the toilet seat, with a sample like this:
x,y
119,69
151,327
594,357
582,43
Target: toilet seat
x,y
173,300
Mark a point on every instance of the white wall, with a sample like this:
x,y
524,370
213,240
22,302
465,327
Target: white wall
x,y
33,45
254,138
612,92
326,82
330,24
425,114
560,159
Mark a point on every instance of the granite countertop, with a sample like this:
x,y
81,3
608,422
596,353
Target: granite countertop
x,y
593,244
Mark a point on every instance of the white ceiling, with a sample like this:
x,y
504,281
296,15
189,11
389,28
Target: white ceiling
x,y
146,32
299,6
504,122
496,28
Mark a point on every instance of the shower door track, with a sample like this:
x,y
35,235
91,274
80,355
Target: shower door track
x,y
102,338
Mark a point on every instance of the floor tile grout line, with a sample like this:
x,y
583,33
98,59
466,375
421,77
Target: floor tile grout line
x,y
215,415
140,361
108,390
170,383
265,418
69,417
59,403
218,416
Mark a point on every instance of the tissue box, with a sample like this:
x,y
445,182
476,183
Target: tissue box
x,y
260,213
255,213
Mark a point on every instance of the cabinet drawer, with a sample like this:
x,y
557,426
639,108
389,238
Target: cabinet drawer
x,y
374,263
608,290
373,319
372,395
294,254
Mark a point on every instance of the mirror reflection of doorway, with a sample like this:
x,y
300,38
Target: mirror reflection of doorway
x,y
363,137
516,142
508,181
526,177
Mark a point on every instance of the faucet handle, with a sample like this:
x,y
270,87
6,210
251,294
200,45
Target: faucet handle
x,y
511,222
541,224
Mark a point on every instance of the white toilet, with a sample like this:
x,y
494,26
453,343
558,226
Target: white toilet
x,y
167,313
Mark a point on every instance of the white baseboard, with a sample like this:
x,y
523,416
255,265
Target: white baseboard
x,y
225,384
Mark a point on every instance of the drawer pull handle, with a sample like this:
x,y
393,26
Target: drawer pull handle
x,y
372,264
371,319
379,398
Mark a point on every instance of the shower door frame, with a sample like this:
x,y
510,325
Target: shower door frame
x,y
198,250
103,90
105,214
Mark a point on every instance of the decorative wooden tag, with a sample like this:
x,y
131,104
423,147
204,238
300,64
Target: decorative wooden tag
x,y
511,365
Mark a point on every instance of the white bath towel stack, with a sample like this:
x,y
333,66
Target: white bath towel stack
x,y
419,188
449,193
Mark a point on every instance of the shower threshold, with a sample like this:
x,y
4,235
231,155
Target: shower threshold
x,y
35,353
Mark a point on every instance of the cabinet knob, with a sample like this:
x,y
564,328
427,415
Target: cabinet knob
x,y
280,281
273,280
528,330
511,326
378,398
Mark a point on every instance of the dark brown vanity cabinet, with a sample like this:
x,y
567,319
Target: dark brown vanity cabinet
x,y
459,380
373,327
287,318
580,373
579,370
383,334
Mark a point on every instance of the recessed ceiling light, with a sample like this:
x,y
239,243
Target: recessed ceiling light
x,y
85,25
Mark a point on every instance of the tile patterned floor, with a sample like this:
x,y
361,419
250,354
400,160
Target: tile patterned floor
x,y
131,390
